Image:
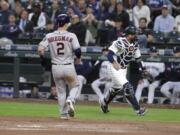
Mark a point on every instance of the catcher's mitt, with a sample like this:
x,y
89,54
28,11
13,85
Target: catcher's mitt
x,y
145,74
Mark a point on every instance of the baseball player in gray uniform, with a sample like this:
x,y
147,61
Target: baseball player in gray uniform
x,y
121,52
63,45
153,68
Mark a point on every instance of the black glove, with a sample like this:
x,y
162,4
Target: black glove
x,y
146,75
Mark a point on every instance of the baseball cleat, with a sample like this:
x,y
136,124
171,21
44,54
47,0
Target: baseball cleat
x,y
71,108
65,116
104,106
142,111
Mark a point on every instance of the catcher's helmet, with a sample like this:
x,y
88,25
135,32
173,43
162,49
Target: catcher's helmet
x,y
62,19
131,30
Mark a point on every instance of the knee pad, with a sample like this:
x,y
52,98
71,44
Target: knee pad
x,y
163,89
128,89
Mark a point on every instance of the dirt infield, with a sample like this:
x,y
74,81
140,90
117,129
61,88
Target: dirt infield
x,y
55,126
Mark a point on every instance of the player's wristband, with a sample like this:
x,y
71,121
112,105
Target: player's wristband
x,y
78,53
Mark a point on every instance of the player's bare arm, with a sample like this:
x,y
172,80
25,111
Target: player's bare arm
x,y
116,65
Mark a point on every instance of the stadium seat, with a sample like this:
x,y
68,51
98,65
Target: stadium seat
x,y
174,36
161,37
39,33
32,72
25,36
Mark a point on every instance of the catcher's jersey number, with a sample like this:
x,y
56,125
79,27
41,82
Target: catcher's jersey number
x,y
60,48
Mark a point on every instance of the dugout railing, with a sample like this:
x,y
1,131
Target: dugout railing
x,y
23,60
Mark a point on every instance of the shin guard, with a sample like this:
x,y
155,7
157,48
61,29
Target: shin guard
x,y
130,96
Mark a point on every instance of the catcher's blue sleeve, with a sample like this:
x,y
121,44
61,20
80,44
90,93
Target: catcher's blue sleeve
x,y
110,56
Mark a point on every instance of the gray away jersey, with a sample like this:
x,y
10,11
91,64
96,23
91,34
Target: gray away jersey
x,y
124,51
61,45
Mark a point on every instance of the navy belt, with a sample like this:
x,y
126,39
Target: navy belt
x,y
62,64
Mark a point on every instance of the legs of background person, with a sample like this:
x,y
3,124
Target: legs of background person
x,y
95,86
108,85
81,81
151,91
141,85
74,88
165,89
175,95
73,93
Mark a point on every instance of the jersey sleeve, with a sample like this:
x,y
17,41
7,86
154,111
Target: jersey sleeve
x,y
75,42
44,43
137,53
114,47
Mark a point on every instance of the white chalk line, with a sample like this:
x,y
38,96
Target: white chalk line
x,y
68,127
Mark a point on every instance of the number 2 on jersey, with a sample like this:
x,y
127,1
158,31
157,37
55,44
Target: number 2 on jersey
x,y
60,49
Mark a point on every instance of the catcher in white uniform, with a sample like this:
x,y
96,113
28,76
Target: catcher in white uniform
x,y
104,77
63,45
153,69
121,52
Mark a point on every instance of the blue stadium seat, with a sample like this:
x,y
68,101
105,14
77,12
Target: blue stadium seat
x,y
175,37
25,35
161,37
39,33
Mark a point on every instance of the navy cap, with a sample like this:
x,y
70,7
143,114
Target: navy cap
x,y
153,49
105,48
176,49
37,5
165,7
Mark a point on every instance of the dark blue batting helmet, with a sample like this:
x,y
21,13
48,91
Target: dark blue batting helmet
x,y
62,19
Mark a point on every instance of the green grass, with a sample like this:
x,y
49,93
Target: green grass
x,y
84,112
